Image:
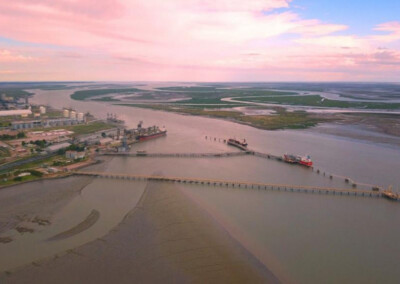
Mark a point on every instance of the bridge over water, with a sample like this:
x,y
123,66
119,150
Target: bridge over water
x,y
236,184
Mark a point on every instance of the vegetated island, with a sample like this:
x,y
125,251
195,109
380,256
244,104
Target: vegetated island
x,y
281,119
211,100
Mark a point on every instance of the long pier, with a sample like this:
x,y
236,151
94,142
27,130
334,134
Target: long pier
x,y
194,155
178,155
236,184
226,155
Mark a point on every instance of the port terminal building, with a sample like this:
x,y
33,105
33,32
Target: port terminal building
x,y
29,124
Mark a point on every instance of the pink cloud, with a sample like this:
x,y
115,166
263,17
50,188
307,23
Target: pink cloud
x,y
239,5
11,56
183,40
393,29
7,72
104,9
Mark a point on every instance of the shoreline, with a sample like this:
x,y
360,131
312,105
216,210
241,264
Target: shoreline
x,y
166,237
60,176
312,119
340,120
30,208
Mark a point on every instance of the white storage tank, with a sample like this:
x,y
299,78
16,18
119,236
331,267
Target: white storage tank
x,y
72,114
66,113
80,116
42,109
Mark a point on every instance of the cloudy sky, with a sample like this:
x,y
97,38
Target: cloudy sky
x,y
200,40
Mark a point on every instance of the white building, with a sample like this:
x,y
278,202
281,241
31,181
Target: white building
x,y
56,147
74,155
22,112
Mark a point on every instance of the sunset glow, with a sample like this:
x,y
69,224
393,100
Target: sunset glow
x,y
195,40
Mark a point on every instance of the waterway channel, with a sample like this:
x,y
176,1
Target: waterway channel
x,y
302,238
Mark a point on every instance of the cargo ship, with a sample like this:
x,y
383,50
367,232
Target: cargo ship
x,y
152,132
236,143
294,159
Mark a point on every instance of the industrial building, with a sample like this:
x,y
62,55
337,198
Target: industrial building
x,y
56,147
29,124
12,112
74,155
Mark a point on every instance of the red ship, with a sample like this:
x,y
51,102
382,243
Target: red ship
x,y
293,159
145,137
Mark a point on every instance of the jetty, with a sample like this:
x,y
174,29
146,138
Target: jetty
x,y
375,190
193,154
176,155
237,184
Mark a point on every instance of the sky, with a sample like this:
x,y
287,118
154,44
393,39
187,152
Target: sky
x,y
200,40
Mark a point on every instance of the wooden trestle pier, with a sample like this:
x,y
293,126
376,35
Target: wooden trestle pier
x,y
235,184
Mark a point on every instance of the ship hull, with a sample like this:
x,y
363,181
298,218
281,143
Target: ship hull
x,y
152,136
306,164
241,147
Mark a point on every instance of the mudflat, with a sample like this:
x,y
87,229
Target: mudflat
x,y
167,238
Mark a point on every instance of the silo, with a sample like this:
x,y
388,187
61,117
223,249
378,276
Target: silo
x,y
80,116
72,114
66,113
42,109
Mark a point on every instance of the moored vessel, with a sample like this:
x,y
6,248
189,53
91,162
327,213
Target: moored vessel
x,y
242,145
389,194
305,161
294,159
143,134
288,158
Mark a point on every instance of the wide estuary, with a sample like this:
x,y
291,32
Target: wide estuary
x,y
301,238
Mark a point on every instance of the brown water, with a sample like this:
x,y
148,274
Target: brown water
x,y
112,199
301,237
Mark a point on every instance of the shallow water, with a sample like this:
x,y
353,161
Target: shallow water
x,y
112,199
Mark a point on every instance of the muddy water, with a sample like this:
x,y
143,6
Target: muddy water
x,y
112,200
301,237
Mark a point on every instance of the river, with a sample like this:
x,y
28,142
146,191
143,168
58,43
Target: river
x,y
303,238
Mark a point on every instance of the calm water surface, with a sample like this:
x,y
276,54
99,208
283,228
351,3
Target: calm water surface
x,y
303,238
